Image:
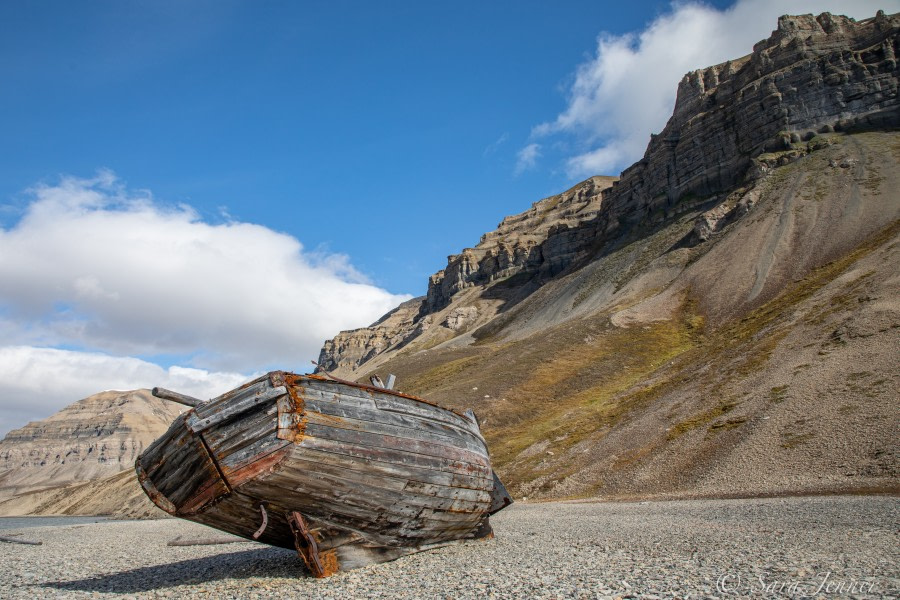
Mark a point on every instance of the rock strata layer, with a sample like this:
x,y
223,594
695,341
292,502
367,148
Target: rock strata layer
x,y
518,244
96,437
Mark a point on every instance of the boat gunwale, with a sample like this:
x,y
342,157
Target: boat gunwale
x,y
278,377
372,388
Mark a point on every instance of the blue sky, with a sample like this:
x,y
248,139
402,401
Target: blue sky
x,y
332,153
366,130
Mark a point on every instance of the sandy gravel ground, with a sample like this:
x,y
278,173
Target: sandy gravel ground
x,y
825,547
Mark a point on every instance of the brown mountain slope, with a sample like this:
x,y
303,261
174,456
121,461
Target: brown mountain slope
x,y
727,322
96,438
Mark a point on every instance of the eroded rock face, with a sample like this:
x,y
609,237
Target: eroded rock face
x,y
517,243
812,75
460,317
732,123
349,349
514,247
95,437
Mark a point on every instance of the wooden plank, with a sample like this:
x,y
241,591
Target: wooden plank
x,y
436,496
361,390
234,408
391,402
387,490
307,393
206,541
176,397
252,452
153,455
248,389
408,433
362,472
395,456
178,470
12,540
376,415
261,464
323,500
409,472
437,450
193,478
453,493
421,409
231,437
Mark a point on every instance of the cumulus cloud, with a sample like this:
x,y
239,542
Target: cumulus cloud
x,y
35,382
92,265
627,90
111,274
526,158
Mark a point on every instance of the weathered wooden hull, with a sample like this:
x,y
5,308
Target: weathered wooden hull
x,y
346,474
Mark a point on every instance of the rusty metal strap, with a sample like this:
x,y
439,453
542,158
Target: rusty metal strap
x,y
265,522
306,545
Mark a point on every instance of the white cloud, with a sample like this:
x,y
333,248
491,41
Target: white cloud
x,y
93,266
627,91
35,382
526,158
495,145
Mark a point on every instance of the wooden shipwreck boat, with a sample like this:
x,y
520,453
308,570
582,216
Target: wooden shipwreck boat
x,y
344,473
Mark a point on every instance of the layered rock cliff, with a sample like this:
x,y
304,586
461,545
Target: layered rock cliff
x,y
94,438
518,244
811,76
515,247
731,125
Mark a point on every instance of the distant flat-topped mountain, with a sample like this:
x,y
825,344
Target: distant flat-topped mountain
x,y
47,466
720,320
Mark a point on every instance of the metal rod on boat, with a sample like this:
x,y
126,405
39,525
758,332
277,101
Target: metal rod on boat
x,y
175,397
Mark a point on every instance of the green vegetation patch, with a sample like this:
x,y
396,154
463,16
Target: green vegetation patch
x,y
792,439
778,394
442,372
702,419
582,390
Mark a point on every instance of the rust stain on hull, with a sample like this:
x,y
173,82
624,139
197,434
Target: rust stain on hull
x,y
255,469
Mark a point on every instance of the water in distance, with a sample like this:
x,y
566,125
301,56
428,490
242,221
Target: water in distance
x,y
23,522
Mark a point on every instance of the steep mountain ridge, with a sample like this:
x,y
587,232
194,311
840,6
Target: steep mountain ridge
x,y
732,301
732,123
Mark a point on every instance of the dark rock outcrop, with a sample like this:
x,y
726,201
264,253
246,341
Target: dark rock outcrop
x,y
812,75
349,349
517,244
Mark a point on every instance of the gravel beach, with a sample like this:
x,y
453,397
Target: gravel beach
x,y
789,547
